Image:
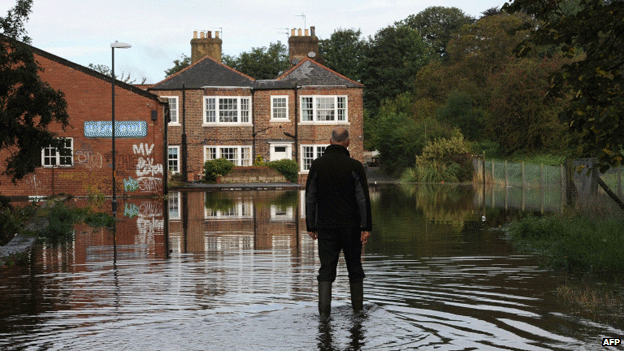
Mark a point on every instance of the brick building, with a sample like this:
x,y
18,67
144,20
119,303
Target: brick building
x,y
223,113
87,168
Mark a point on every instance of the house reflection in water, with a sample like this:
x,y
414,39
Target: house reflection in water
x,y
139,234
237,221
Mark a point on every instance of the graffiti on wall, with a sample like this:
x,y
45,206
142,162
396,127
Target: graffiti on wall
x,y
32,182
148,172
91,160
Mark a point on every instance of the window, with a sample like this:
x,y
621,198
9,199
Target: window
x,y
63,157
173,110
279,108
174,159
309,153
239,155
227,110
241,209
324,108
174,205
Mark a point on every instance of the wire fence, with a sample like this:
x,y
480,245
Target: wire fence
x,y
531,187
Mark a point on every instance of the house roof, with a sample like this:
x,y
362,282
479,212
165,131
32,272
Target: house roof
x,y
205,73
210,73
311,73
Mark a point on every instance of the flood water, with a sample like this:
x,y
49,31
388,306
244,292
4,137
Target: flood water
x,y
235,270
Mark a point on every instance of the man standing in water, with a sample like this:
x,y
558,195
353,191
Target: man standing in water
x,y
338,214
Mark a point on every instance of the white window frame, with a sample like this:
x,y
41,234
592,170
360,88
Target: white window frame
x,y
51,153
304,160
311,104
276,109
177,159
175,111
240,150
242,111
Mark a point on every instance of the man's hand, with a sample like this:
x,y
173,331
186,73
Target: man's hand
x,y
313,235
364,237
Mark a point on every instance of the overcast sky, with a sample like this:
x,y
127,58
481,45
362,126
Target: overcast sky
x,y
160,31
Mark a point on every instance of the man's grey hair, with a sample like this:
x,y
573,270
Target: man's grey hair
x,y
339,135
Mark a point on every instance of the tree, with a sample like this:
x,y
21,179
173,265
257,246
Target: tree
x,y
521,118
394,57
437,25
104,69
344,52
459,112
178,65
262,63
28,105
402,129
595,29
485,47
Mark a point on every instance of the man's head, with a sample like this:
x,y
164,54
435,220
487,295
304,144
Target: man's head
x,y
340,136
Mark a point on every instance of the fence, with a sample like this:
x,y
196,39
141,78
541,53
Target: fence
x,y
545,188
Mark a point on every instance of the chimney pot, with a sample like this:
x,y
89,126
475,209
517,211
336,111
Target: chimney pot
x,y
217,34
306,32
201,35
299,32
209,34
292,32
312,31
194,34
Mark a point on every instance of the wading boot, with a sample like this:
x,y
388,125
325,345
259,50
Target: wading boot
x,y
325,296
357,296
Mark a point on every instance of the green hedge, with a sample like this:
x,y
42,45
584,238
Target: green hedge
x,y
214,169
288,168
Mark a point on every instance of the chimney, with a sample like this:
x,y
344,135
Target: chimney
x,y
205,45
302,46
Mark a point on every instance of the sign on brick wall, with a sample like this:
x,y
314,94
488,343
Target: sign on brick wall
x,y
123,129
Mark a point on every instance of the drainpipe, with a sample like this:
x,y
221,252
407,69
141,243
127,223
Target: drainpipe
x,y
184,144
296,124
253,128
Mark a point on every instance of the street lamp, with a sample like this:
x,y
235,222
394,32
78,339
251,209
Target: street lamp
x,y
115,45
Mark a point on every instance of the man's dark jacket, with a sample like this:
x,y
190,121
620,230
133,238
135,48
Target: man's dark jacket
x,y
337,192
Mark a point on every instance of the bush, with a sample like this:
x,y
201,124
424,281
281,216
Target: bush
x,y
288,168
13,219
214,169
445,160
9,223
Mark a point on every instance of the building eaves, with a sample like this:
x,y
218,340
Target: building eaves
x,y
203,73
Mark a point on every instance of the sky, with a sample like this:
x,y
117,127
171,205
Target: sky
x,y
160,31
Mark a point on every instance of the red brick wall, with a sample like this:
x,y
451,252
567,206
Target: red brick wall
x,y
139,162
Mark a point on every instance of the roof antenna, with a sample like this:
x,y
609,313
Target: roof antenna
x,y
284,31
304,20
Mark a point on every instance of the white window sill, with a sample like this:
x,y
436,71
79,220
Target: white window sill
x,y
323,123
227,125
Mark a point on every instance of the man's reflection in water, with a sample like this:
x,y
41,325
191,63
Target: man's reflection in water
x,y
356,340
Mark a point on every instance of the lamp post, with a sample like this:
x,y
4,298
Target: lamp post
x,y
115,45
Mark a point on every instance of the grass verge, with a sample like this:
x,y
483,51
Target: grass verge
x,y
587,249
